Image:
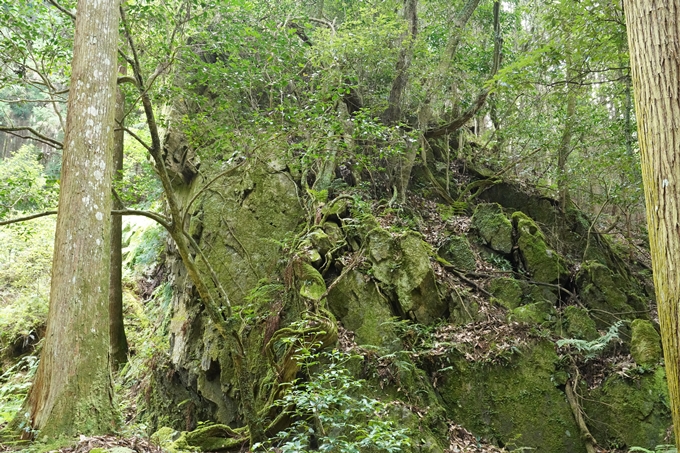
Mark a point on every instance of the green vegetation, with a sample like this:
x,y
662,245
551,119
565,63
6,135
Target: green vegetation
x,y
386,225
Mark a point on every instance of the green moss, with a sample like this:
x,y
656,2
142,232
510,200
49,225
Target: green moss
x,y
457,252
645,344
578,324
312,285
602,290
165,436
541,261
626,413
493,227
402,263
535,313
209,438
507,292
517,404
357,303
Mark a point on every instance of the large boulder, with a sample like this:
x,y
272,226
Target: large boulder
x,y
539,259
402,264
493,227
358,304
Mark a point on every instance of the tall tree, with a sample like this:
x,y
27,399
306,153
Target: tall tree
x,y
72,392
654,42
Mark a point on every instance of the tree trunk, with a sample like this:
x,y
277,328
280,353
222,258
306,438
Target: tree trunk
x,y
72,392
564,149
654,42
119,345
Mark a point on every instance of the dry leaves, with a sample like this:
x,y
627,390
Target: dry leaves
x,y
136,444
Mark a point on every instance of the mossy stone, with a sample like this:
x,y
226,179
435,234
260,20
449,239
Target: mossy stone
x,y
493,227
402,263
540,260
457,251
630,412
579,324
165,436
513,404
540,293
602,290
507,292
535,313
208,438
645,344
357,303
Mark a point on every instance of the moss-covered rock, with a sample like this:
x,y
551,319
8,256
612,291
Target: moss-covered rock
x,y
625,413
403,264
516,405
493,227
357,303
578,324
645,343
602,290
209,438
534,313
457,251
542,262
507,292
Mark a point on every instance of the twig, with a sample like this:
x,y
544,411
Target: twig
x,y
28,217
62,9
38,136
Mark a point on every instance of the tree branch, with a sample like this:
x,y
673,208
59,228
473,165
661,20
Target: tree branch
x,y
136,137
161,220
28,217
62,9
481,97
37,135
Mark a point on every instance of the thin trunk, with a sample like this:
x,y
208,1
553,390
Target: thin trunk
x,y
654,43
72,392
564,148
119,345
393,111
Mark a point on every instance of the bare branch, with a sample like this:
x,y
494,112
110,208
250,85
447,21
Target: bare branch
x,y
36,135
127,79
136,137
62,9
28,217
161,220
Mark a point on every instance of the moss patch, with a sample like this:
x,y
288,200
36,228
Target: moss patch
x,y
457,251
540,260
493,227
402,263
358,304
626,413
645,344
603,290
516,405
578,324
535,313
507,292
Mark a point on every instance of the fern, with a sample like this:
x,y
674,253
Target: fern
x,y
591,349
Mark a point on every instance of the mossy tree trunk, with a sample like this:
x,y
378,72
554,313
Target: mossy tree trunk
x,y
654,42
72,392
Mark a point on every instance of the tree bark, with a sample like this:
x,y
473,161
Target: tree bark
x,y
72,392
654,42
119,345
